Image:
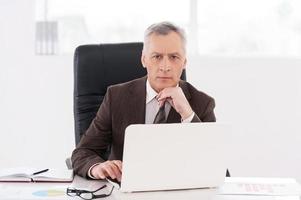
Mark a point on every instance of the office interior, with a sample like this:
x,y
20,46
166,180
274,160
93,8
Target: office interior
x,y
256,86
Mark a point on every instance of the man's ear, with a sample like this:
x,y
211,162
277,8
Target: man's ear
x,y
143,60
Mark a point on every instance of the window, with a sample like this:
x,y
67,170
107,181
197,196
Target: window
x,y
215,27
257,27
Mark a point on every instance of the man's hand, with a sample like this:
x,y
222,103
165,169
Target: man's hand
x,y
177,99
110,168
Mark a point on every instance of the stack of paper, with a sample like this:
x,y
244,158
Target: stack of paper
x,y
268,188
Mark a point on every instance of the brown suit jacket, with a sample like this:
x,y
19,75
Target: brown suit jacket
x,y
124,104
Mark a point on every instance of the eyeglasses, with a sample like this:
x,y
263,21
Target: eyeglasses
x,y
88,195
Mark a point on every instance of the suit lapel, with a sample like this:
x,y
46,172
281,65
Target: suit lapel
x,y
137,103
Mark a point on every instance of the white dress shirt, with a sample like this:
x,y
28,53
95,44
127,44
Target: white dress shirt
x,y
152,105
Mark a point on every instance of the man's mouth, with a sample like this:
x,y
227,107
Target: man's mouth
x,y
164,77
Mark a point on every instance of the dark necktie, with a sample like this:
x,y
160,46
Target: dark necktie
x,y
160,116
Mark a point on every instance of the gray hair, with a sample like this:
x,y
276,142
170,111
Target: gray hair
x,y
164,28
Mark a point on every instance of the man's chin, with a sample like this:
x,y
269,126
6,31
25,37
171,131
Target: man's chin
x,y
166,85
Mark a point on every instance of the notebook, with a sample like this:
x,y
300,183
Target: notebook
x,y
174,156
24,174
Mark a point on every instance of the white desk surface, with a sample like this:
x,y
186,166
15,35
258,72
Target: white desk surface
x,y
57,191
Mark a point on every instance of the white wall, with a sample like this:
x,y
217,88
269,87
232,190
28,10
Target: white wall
x,y
36,94
259,96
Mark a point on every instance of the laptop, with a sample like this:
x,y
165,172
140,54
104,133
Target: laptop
x,y
174,156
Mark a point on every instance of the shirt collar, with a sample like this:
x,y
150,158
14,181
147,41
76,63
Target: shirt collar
x,y
150,92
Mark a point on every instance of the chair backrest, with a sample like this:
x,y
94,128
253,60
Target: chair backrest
x,y
95,68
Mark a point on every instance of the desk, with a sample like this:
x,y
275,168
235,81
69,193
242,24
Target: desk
x,y
34,191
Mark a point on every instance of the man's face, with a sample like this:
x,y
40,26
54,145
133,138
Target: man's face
x,y
164,59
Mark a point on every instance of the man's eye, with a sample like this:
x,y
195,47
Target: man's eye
x,y
157,56
174,57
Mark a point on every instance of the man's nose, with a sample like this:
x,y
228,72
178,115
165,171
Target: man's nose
x,y
165,64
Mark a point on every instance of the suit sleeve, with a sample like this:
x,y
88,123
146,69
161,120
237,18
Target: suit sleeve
x,y
95,140
207,115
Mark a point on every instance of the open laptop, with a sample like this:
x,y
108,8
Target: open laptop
x,y
174,156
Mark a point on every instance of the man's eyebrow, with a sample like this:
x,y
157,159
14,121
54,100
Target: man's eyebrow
x,y
155,53
175,53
